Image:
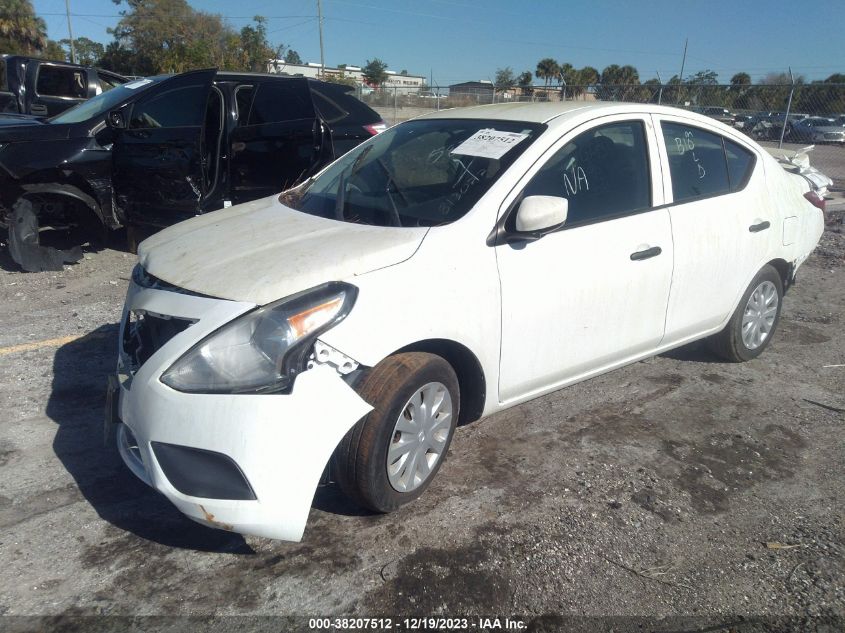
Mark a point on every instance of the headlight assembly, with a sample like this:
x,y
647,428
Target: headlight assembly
x,y
263,350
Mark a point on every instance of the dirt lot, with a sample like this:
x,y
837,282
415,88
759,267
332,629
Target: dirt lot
x,y
651,491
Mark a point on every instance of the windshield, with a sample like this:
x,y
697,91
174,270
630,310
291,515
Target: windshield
x,y
102,103
420,173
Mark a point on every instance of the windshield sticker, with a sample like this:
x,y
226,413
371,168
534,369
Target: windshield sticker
x,y
132,85
489,144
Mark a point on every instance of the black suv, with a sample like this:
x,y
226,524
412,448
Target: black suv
x,y
158,150
44,88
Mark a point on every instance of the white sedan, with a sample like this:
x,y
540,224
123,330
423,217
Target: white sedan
x,y
449,268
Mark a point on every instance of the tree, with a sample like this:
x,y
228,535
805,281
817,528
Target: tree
x,y
547,70
21,31
375,72
118,59
505,79
741,79
53,51
292,57
88,52
255,48
158,36
740,85
566,76
524,81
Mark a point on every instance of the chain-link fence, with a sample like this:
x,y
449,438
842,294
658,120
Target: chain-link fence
x,y
791,115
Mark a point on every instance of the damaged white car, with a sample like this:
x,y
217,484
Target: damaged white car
x,y
448,268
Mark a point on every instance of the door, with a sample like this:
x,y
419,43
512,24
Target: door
x,y
594,293
57,88
277,140
158,158
721,225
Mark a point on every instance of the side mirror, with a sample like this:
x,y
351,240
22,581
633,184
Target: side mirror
x,y
116,119
539,215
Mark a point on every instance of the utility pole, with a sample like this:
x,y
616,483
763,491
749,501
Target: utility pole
x,y
681,76
70,32
659,94
320,21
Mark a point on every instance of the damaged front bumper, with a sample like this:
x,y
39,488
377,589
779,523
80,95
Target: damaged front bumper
x,y
247,463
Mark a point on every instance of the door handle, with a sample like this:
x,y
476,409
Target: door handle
x,y
648,253
760,226
238,146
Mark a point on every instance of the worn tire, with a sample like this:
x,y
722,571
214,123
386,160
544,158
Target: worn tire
x,y
728,344
359,464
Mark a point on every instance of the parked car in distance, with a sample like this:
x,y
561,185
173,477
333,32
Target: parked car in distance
x,y
720,114
741,120
158,150
454,266
816,129
44,88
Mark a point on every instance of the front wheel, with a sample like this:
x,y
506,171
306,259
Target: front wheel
x,y
391,456
754,321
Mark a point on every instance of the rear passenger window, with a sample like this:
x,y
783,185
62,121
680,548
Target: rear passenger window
x,y
330,111
4,85
59,81
696,162
740,165
279,101
603,173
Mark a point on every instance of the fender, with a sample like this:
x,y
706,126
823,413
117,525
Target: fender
x,y
71,192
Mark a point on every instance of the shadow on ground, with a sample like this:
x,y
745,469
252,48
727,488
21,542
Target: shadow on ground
x,y
76,404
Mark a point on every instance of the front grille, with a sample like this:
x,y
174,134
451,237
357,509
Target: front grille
x,y
145,333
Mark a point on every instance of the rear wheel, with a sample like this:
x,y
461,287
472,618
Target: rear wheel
x,y
754,321
391,456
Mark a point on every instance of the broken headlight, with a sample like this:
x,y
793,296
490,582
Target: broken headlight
x,y
263,350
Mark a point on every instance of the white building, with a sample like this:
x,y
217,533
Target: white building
x,y
402,84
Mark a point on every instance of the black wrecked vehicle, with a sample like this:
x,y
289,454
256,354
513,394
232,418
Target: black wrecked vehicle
x,y
159,150
42,88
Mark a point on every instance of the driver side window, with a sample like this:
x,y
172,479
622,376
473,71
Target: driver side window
x,y
603,173
180,107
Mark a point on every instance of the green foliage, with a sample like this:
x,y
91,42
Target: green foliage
x,y
53,51
159,36
21,31
375,72
88,52
340,78
292,57
505,79
547,70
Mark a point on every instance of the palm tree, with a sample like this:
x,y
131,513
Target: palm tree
x,y
547,69
21,31
566,77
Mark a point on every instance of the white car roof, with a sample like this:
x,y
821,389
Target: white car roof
x,y
547,111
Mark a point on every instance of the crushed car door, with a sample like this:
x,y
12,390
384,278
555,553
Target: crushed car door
x,y
157,158
277,140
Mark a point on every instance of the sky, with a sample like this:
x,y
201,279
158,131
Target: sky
x,y
450,41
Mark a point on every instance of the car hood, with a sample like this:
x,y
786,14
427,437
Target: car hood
x,y
263,251
14,129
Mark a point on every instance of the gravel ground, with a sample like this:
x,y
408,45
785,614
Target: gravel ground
x,y
680,489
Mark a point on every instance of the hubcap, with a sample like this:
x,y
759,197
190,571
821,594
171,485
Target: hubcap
x,y
419,437
759,316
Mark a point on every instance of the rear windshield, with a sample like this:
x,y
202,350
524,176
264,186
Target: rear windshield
x,y
420,173
336,103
